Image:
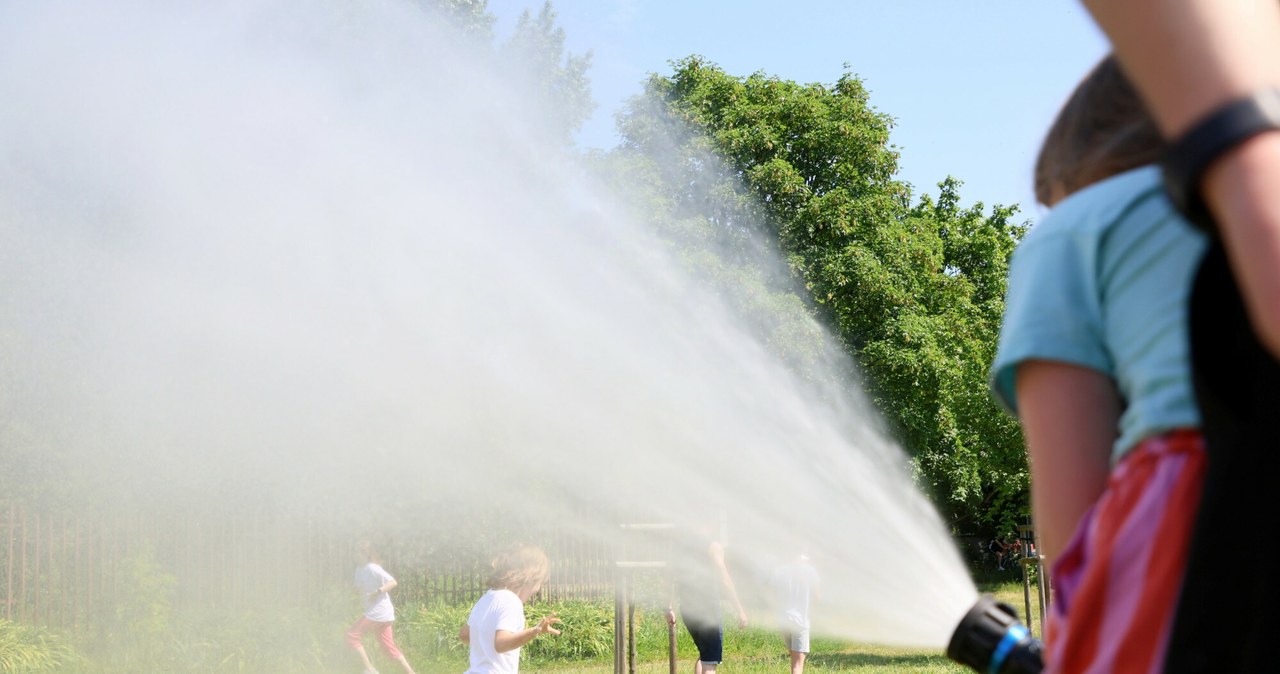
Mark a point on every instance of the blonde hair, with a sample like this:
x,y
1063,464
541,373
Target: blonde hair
x,y
518,568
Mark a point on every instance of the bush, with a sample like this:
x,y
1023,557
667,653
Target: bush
x,y
27,650
275,640
431,632
586,631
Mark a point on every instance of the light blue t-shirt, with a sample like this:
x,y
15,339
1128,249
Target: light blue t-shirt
x,y
1104,282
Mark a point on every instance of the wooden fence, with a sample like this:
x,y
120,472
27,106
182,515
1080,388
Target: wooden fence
x,y
65,570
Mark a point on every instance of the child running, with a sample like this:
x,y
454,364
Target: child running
x,y
1093,359
374,583
495,630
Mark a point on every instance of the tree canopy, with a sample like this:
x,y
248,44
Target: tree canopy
x,y
535,57
914,290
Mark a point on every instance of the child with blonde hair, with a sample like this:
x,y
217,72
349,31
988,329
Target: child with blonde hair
x,y
495,631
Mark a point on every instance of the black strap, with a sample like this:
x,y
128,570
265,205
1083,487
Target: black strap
x,y
1187,158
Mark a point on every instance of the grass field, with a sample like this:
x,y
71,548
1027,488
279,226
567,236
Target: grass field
x,y
306,643
757,652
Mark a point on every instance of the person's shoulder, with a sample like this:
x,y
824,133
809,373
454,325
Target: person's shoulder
x,y
1104,203
486,600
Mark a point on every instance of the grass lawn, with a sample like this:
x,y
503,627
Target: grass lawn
x,y
307,644
757,652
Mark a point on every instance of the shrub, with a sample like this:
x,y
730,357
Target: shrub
x,y
27,650
586,631
431,631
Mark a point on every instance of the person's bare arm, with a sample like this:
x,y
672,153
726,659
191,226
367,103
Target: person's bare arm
x,y
1070,416
671,600
1188,58
1240,190
717,556
464,634
504,641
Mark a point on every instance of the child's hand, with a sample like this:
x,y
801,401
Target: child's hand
x,y
545,625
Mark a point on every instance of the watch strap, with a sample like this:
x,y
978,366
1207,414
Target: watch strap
x,y
1187,158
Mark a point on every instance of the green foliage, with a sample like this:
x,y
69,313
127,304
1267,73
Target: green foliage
x,y
556,79
148,604
217,642
914,292
552,79
586,632
431,632
136,634
268,641
27,650
470,17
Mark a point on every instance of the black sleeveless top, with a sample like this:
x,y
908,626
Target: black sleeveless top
x,y
1229,611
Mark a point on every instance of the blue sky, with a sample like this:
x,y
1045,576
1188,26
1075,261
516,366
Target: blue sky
x,y
972,85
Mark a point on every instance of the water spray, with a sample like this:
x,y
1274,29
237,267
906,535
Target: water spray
x,y
991,640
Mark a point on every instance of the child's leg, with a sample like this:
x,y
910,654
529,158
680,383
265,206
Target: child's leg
x,y
387,637
354,636
799,646
709,638
797,662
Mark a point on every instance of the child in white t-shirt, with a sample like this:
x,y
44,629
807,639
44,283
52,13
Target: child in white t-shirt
x,y
795,586
495,630
374,583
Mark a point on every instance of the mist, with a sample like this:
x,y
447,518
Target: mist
x,y
321,255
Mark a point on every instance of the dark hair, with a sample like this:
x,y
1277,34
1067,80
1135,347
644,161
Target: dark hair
x,y
1102,130
369,551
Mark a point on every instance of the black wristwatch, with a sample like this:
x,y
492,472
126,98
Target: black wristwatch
x,y
1186,158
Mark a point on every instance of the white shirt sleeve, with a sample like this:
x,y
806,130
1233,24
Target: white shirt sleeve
x,y
510,614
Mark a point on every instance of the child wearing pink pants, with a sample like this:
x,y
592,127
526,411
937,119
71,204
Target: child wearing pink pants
x,y
374,583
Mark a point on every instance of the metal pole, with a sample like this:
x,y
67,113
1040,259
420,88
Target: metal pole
x,y
1026,593
77,598
618,618
8,602
22,598
1024,536
631,625
1043,582
36,579
671,647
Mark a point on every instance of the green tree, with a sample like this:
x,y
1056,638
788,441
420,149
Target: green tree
x,y
534,56
913,291
470,17
555,79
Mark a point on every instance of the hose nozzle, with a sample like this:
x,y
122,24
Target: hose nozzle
x,y
990,640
